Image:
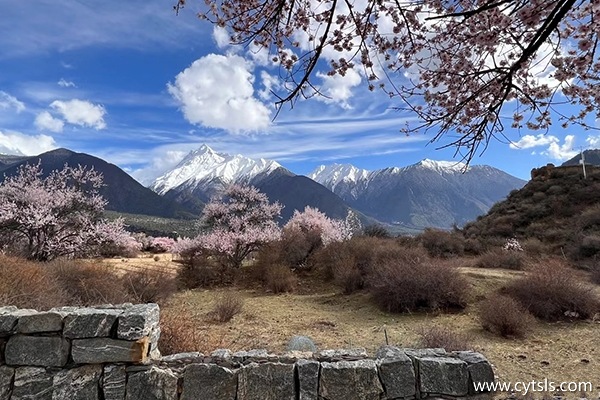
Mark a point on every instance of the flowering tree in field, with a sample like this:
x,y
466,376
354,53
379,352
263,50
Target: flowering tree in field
x,y
59,215
238,223
466,68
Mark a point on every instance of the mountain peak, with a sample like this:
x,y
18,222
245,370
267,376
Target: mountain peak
x,y
331,175
442,166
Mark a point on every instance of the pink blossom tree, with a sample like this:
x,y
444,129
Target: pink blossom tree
x,y
59,215
238,223
467,69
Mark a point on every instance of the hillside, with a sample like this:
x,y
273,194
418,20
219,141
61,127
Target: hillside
x,y
592,157
558,207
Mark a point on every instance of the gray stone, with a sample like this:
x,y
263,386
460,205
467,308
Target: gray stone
x,y
350,380
32,383
90,323
154,337
183,357
435,352
255,354
138,321
270,381
479,368
10,316
114,380
79,383
43,351
154,384
308,379
40,322
443,376
358,353
224,354
2,348
396,372
105,350
208,382
6,379
301,343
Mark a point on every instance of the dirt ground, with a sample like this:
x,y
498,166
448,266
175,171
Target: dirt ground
x,y
560,351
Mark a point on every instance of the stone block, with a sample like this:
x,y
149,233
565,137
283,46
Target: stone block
x,y
396,372
43,351
269,381
308,379
2,349
105,350
81,383
49,321
32,383
153,384
90,323
479,368
138,321
350,380
9,316
208,382
443,376
358,353
114,380
6,379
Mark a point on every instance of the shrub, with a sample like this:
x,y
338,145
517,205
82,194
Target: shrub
x,y
442,337
227,306
551,291
279,279
27,284
376,230
150,285
590,246
404,286
442,244
505,317
178,335
501,259
534,247
595,274
161,244
473,247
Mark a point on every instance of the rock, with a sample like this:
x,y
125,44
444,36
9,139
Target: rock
x,y
223,354
208,382
9,316
301,343
78,383
358,353
414,353
105,350
50,351
255,354
32,383
308,379
40,322
396,372
478,366
350,380
183,357
114,380
6,378
2,348
90,323
154,384
272,381
443,376
138,321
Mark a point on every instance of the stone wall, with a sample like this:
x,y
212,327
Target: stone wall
x,y
110,353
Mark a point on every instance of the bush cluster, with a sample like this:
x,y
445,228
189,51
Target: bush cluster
x,y
442,244
505,317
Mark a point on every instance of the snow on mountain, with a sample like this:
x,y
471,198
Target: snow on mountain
x,y
206,165
331,175
442,166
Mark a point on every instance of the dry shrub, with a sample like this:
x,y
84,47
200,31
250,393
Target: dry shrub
x,y
505,317
150,285
473,246
505,259
27,284
178,334
227,306
595,274
348,275
442,337
376,230
552,292
442,244
279,278
330,257
534,247
405,286
88,284
203,271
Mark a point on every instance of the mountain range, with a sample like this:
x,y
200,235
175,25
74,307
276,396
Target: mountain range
x,y
427,194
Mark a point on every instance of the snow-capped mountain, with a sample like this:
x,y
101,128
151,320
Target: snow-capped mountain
x,y
206,167
428,193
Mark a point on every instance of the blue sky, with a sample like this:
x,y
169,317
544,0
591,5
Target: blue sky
x,y
131,82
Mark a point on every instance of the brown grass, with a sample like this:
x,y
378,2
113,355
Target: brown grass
x,y
227,305
514,260
443,337
150,285
505,317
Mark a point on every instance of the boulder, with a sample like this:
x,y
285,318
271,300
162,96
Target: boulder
x,y
396,372
479,368
138,321
6,378
308,379
114,380
105,350
358,353
49,321
32,383
153,384
301,343
270,381
9,316
79,383
208,382
350,380
43,351
90,323
443,376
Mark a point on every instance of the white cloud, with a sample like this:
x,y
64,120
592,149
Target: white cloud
x,y
45,121
529,141
217,91
18,143
161,162
10,102
81,112
221,37
593,141
337,88
562,152
64,83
